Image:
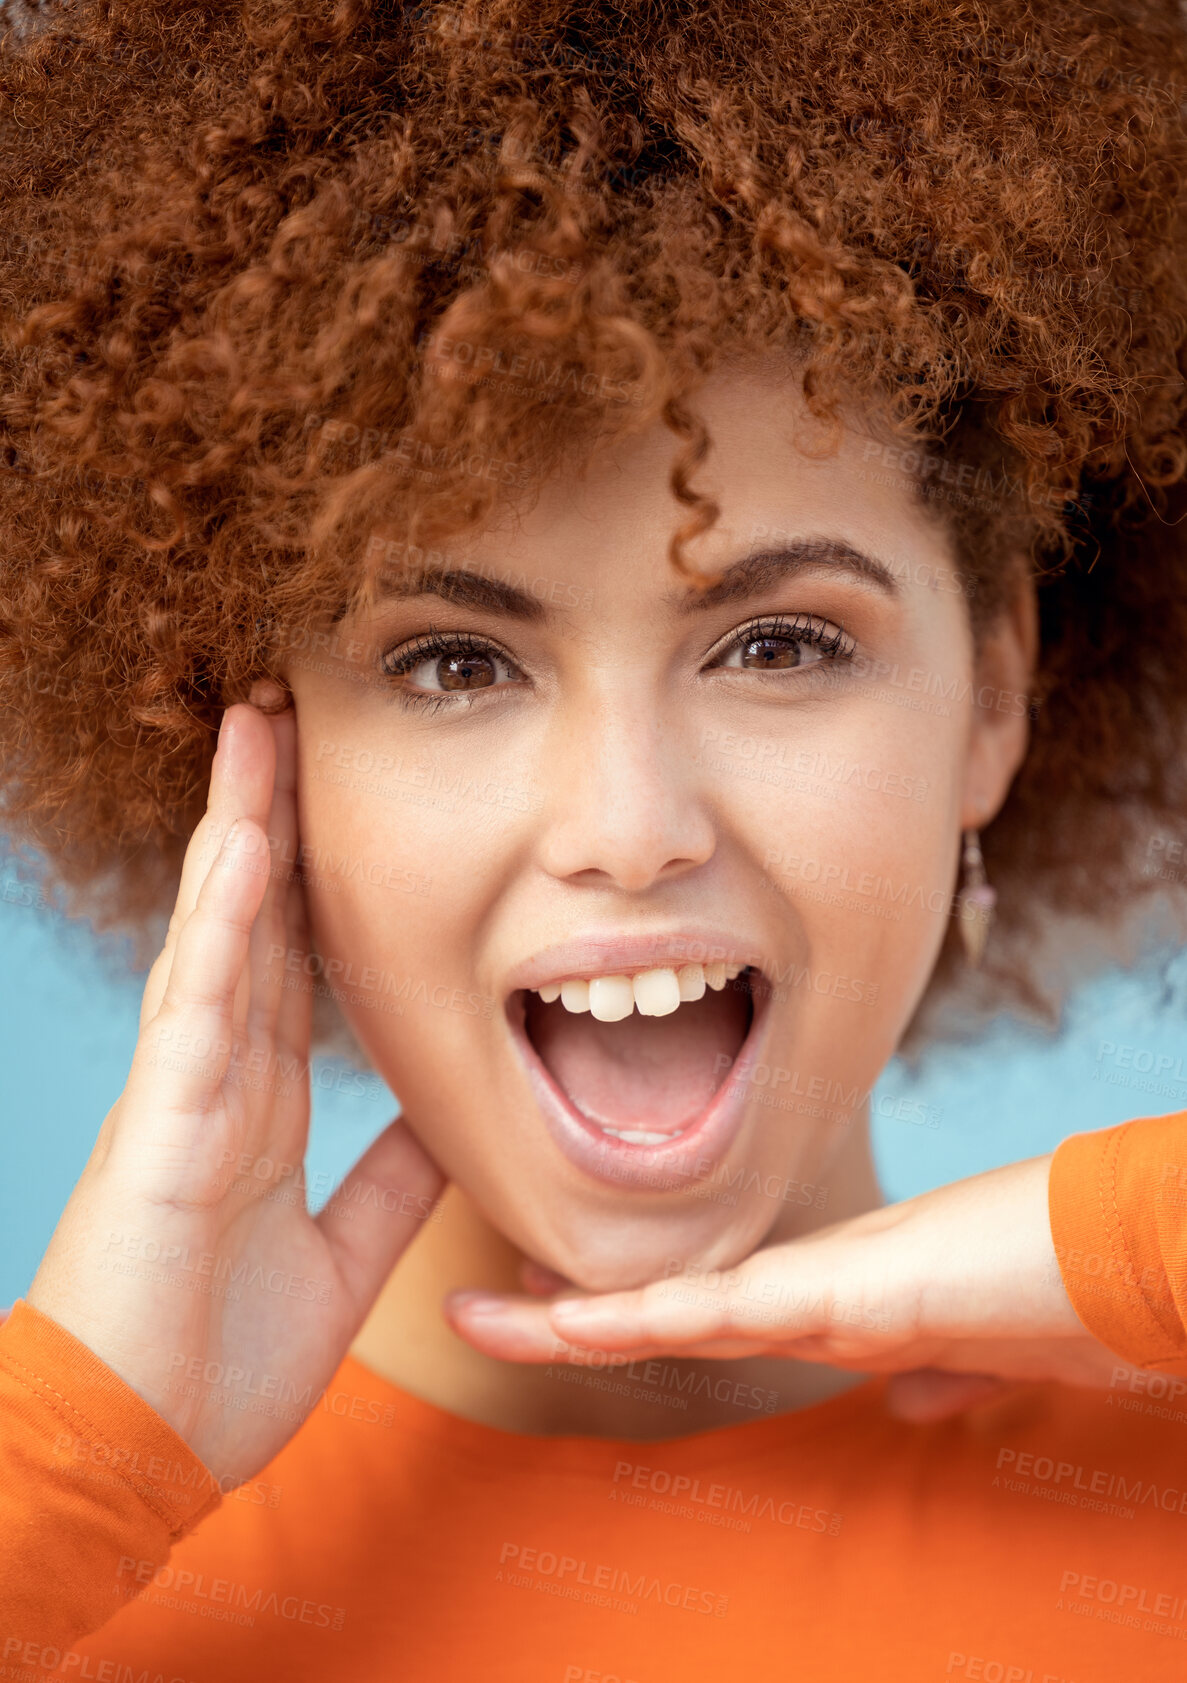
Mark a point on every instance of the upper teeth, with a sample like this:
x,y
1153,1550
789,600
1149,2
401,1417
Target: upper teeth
x,y
653,993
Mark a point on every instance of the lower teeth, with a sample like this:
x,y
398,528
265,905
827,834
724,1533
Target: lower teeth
x,y
636,1136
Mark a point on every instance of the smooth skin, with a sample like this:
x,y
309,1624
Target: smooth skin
x,y
953,1292
964,1278
165,1182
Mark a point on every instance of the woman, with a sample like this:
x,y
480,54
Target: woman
x,y
657,510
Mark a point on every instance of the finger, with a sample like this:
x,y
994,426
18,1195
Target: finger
x,y
294,1020
923,1395
633,1323
517,1330
199,855
782,1299
240,785
379,1208
626,1324
775,1295
181,1056
269,934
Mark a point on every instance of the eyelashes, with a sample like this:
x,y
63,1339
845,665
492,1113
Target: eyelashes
x,y
478,655
801,631
473,664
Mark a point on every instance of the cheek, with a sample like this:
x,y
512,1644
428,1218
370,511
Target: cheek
x,y
855,827
399,878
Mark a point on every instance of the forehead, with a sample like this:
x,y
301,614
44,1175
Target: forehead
x,y
787,494
771,473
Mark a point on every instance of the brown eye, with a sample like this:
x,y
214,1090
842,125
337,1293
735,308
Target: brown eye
x,y
771,653
783,645
448,664
466,672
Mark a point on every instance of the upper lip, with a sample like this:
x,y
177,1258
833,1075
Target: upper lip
x,y
623,955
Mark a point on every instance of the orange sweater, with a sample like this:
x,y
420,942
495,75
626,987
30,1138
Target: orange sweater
x,y
1037,1539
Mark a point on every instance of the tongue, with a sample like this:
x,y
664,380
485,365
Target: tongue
x,y
654,1073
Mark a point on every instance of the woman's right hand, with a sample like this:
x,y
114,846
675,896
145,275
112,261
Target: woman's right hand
x,y
186,1258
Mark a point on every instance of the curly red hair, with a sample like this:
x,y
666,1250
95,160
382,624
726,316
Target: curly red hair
x,y
274,280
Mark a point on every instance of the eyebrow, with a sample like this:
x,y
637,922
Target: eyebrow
x,y
765,567
741,579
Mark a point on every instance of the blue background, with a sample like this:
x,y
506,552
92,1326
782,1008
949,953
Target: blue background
x,y
68,1016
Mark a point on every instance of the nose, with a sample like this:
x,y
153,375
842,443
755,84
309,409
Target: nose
x,y
625,810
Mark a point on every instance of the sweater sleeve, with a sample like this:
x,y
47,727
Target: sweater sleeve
x,y
94,1485
1118,1205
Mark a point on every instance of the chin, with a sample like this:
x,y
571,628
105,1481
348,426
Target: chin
x,y
617,1250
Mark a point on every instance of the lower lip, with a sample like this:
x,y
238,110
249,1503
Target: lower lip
x,y
648,1168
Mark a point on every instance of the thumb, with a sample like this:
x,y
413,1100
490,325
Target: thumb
x,y
377,1210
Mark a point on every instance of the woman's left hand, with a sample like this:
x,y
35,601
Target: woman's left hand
x,y
953,1292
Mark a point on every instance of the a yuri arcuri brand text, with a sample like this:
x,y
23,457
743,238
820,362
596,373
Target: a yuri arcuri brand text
x,y
1094,1483
1136,1598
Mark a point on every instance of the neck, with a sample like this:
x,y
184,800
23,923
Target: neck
x,y
406,1340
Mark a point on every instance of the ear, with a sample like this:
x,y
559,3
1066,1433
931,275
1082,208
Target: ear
x,y
999,733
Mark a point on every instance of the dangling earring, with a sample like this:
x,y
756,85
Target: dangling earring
x,y
975,902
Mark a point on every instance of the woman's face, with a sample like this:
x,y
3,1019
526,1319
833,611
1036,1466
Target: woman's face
x,y
561,766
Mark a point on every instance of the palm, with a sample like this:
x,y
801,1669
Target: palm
x,y
187,1258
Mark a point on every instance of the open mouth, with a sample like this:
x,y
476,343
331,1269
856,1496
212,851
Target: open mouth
x,y
634,1070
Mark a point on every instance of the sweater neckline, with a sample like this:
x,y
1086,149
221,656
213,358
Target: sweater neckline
x,y
498,1446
